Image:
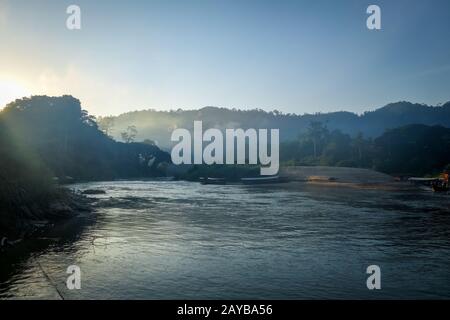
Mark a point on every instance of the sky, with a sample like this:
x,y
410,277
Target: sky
x,y
294,56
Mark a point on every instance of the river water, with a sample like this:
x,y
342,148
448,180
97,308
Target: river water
x,y
183,240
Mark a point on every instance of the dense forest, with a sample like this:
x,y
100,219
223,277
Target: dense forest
x,y
44,140
64,139
408,150
412,150
158,124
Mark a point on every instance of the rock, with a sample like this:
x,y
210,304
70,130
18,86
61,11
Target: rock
x,y
60,208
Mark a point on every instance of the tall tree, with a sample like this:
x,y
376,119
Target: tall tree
x,y
317,132
129,135
358,144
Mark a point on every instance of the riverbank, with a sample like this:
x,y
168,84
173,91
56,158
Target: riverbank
x,y
335,174
343,177
24,216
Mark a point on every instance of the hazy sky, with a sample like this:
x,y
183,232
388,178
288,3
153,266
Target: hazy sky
x,y
295,56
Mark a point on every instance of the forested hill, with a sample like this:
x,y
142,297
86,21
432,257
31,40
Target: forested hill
x,y
55,134
157,125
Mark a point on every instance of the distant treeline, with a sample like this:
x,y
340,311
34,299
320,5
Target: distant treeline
x,y
158,124
408,150
412,150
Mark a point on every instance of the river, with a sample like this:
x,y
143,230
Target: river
x,y
184,240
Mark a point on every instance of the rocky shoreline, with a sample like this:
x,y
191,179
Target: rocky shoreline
x,y
23,218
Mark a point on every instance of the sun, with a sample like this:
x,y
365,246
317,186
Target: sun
x,y
11,90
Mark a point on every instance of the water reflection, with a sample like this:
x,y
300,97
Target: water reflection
x,y
21,273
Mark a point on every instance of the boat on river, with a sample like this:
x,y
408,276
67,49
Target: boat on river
x,y
423,181
263,180
255,180
436,184
440,188
208,180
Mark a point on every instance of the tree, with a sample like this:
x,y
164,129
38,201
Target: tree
x,y
106,124
317,132
358,144
413,150
129,135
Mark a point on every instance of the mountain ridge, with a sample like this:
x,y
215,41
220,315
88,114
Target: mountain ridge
x,y
157,125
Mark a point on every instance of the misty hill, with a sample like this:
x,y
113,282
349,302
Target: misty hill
x,y
158,125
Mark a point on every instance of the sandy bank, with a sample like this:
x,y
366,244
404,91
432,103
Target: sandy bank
x,y
322,174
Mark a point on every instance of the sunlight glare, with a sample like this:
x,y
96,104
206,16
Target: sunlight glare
x,y
11,90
